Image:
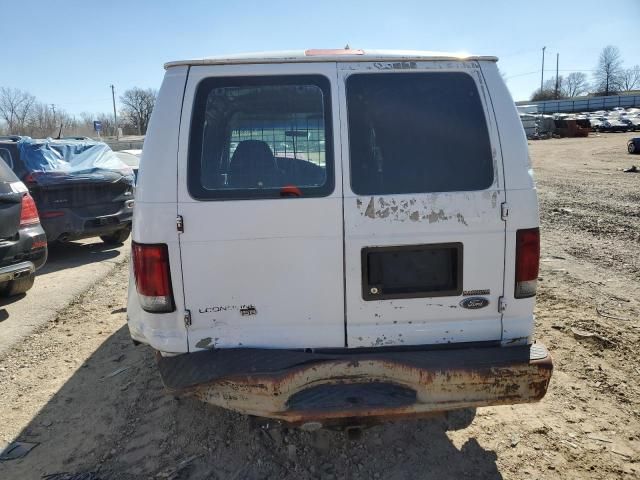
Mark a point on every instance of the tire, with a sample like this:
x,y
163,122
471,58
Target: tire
x,y
19,286
116,238
631,147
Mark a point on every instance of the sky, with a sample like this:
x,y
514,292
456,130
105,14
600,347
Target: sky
x,y
68,52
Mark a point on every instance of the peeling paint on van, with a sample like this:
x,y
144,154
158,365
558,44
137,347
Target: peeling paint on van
x,y
370,211
434,208
434,216
204,343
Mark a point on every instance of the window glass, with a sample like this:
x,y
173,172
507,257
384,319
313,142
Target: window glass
x,y
417,133
6,156
261,137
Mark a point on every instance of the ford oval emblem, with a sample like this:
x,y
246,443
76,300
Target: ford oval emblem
x,y
474,303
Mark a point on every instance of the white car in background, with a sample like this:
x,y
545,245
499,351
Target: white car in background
x,y
131,158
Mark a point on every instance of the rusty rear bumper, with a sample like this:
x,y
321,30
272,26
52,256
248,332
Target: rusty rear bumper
x,y
300,387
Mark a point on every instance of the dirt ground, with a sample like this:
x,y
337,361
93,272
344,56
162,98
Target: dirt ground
x,y
94,402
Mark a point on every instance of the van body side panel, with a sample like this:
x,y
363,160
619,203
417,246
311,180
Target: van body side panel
x,y
518,319
470,220
154,218
261,272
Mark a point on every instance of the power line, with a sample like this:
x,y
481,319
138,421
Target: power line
x,y
522,74
85,101
551,70
115,117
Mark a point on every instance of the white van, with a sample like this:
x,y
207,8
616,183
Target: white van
x,y
328,235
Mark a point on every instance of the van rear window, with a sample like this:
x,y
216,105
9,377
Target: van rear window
x,y
417,133
261,137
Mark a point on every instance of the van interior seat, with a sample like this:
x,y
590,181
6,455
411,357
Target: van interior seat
x,y
253,165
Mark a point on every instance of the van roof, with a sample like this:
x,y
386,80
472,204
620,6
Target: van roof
x,y
331,55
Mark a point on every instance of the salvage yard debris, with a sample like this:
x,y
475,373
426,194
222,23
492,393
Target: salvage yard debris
x,y
582,334
539,126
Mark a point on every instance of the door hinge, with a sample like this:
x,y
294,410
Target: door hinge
x,y
504,210
502,305
187,318
180,224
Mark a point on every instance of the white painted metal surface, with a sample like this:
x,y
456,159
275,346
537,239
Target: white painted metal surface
x,y
154,216
472,218
285,256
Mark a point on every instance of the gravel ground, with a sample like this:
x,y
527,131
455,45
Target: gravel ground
x,y
94,402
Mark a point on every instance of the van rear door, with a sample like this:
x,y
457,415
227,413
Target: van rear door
x,y
260,197
423,189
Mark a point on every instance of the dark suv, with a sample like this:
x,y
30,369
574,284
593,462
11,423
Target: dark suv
x,y
80,186
23,244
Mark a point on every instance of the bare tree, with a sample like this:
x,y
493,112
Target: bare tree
x,y
138,105
15,108
21,113
575,84
549,90
44,121
608,74
630,78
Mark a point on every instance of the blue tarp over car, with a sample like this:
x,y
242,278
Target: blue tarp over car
x,y
72,160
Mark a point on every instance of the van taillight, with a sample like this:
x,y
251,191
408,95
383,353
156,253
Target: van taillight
x,y
29,213
153,277
527,262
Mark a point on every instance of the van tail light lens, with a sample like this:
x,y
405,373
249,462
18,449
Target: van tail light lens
x,y
29,213
153,277
527,262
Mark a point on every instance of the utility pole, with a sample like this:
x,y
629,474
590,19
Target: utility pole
x,y
115,117
557,77
542,73
53,111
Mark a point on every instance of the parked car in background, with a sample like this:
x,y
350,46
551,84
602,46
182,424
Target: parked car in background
x,y
595,123
23,244
611,125
633,123
633,145
81,188
313,244
131,158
